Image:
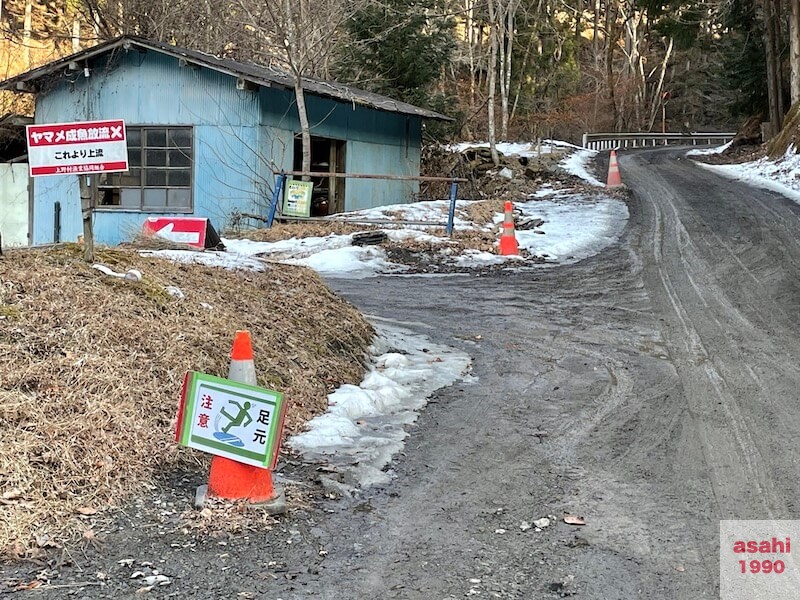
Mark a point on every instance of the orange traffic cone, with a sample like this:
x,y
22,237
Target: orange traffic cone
x,y
508,240
614,179
229,478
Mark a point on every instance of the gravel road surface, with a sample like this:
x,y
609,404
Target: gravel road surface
x,y
652,389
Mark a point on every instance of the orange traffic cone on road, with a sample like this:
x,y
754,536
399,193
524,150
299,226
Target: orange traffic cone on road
x,y
229,478
614,179
508,238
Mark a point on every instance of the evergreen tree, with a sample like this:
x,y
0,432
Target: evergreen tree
x,y
399,48
744,70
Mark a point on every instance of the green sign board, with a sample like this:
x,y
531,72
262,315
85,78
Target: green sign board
x,y
231,419
297,199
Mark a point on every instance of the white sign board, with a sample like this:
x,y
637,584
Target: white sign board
x,y
227,418
77,148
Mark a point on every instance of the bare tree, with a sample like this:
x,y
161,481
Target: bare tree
x,y
299,36
492,83
469,11
26,34
304,33
506,28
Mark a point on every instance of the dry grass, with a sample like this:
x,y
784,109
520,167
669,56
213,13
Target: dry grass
x,y
91,367
482,212
141,241
285,231
477,240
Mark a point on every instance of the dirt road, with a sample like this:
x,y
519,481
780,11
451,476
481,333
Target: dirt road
x,y
665,373
652,389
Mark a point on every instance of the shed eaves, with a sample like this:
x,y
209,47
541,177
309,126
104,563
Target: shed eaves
x,y
262,75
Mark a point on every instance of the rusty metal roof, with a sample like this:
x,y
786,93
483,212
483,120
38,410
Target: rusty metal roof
x,y
258,74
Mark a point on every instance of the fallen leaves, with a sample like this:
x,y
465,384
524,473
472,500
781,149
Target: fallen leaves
x,y
31,585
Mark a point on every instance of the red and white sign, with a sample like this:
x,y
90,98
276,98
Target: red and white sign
x,y
77,148
183,230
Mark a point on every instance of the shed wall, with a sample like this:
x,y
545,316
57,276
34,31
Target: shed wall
x,y
379,143
151,89
240,137
14,204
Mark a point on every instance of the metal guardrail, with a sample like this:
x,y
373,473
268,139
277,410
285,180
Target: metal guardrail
x,y
613,141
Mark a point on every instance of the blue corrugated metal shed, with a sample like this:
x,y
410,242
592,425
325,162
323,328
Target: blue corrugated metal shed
x,y
243,123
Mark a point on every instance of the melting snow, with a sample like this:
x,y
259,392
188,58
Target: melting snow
x,y
576,164
365,424
575,227
779,175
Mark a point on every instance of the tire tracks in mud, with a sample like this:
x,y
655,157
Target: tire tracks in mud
x,y
700,324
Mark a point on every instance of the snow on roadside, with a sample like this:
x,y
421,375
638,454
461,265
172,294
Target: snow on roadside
x,y
575,227
577,164
524,149
709,151
433,213
223,260
364,426
779,175
332,255
355,262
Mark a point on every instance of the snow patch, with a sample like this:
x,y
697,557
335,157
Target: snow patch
x,y
708,151
576,227
364,426
577,164
352,262
779,175
224,260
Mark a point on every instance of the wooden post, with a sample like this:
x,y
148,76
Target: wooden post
x,y
87,186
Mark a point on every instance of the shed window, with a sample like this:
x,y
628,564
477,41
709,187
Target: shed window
x,y
159,177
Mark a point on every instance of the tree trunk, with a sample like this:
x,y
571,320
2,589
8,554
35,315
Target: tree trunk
x,y
297,62
611,41
658,100
524,67
76,36
794,59
305,129
470,9
501,48
493,35
506,54
772,76
776,17
596,33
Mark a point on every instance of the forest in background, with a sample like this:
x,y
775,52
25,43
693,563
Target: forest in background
x,y
507,69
